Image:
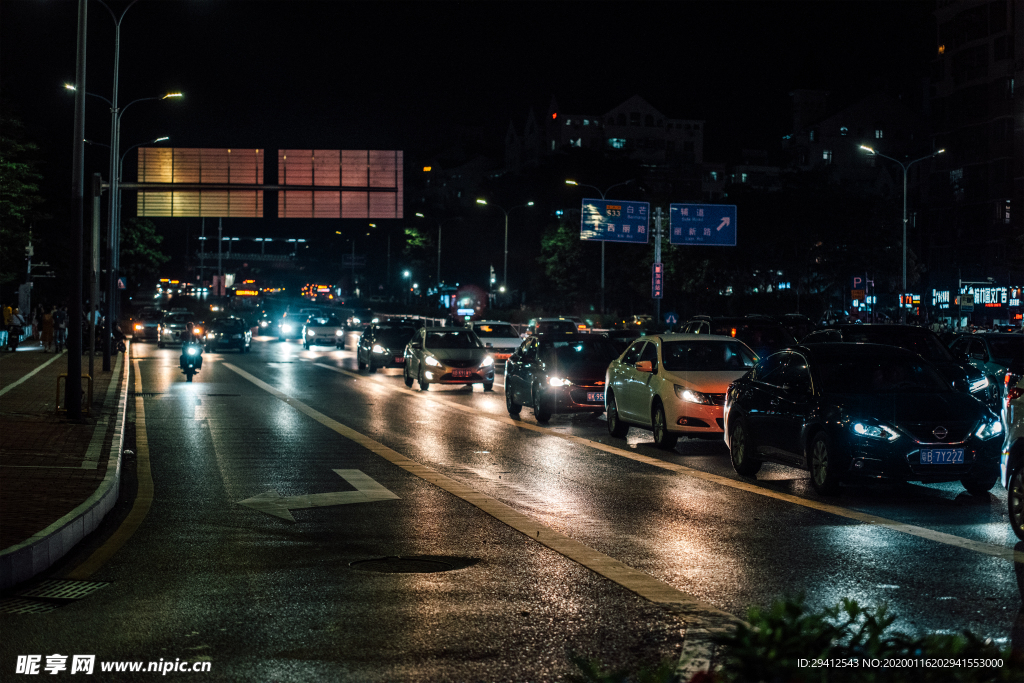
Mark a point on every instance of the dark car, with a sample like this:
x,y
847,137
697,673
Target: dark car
x,y
961,374
228,333
992,353
382,345
846,411
558,374
621,339
146,325
762,334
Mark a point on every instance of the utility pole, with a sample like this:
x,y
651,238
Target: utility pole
x,y
657,261
94,270
73,385
220,263
202,250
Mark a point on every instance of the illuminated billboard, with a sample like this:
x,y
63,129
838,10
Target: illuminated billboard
x,y
222,166
365,183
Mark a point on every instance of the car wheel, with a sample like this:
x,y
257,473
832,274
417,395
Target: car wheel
x,y
510,403
488,386
1015,501
980,485
370,367
663,439
424,385
359,362
825,466
616,427
538,406
741,451
406,376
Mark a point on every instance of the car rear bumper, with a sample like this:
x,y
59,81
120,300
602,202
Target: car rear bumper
x,y
446,376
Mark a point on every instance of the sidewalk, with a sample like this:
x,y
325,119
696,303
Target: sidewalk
x,y
57,478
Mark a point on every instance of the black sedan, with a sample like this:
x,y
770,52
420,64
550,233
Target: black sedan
x,y
924,343
846,411
382,345
558,374
228,333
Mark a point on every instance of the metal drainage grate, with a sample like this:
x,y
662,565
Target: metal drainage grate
x,y
411,564
222,394
144,394
26,606
63,589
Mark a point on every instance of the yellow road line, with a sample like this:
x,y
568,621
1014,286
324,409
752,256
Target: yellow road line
x,y
634,580
143,497
1003,553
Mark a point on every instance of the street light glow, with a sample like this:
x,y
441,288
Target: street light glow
x,y
406,274
865,147
420,215
529,203
69,86
172,94
571,182
481,201
162,139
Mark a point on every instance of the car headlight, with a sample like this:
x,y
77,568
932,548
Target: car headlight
x,y
874,431
353,321
211,335
263,323
192,351
988,430
691,396
286,328
311,333
198,330
430,360
138,327
338,333
979,384
558,382
377,348
486,362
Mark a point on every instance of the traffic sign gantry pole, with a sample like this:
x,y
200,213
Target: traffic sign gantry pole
x,y
658,267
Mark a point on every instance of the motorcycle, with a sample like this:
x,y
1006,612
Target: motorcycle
x,y
191,360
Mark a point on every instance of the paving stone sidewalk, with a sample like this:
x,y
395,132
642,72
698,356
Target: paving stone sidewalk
x,y
49,465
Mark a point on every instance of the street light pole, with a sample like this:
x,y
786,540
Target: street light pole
x,y
905,167
603,197
504,271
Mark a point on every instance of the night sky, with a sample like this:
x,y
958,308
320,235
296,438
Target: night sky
x,y
410,76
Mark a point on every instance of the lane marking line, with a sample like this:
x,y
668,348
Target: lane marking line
x,y
638,582
1003,553
143,497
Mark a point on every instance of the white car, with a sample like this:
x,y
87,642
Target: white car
x,y
498,336
326,330
447,355
674,384
1012,462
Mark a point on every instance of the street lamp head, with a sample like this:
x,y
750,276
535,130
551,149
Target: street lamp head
x,y
406,274
69,86
161,139
482,201
529,203
867,149
571,182
941,151
172,94
420,215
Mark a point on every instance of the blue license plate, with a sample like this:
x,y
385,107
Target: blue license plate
x,y
595,396
942,456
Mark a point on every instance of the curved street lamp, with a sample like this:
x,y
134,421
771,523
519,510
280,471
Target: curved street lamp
x,y
905,167
504,269
603,196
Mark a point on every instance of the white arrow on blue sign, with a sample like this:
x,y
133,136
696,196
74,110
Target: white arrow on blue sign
x,y
671,318
703,224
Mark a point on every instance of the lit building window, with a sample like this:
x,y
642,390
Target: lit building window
x,y
878,133
743,177
843,131
568,122
1006,212
827,156
714,175
942,49
811,136
586,122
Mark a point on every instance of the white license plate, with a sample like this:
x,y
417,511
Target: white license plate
x,y
457,372
595,396
942,456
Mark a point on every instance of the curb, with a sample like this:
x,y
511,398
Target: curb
x,y
37,554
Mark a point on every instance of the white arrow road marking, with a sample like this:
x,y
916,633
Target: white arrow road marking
x,y
725,222
367,490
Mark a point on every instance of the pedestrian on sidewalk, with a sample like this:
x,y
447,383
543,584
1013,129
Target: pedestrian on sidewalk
x,y
46,332
60,327
4,335
16,328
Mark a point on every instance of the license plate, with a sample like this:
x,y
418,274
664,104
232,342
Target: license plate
x,y
502,356
399,360
595,396
942,456
458,372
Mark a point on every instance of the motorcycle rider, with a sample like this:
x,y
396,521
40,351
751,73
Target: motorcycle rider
x,y
190,337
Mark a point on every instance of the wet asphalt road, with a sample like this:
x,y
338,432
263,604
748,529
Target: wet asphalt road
x,y
262,598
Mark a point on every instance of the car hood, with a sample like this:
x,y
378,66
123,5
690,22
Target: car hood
x,y
503,342
457,354
960,374
716,382
901,408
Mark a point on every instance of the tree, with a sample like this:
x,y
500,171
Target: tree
x,y
141,256
19,196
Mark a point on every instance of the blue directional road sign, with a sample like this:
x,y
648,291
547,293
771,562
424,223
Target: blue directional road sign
x,y
612,220
703,224
671,318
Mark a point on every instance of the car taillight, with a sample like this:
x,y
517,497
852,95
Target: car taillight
x,y
1012,391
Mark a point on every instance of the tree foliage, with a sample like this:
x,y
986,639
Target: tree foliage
x,y
19,195
141,256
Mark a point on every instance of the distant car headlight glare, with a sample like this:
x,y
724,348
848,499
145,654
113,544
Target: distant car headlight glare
x,y
377,348
338,333
286,328
263,323
691,396
874,431
989,429
311,333
486,362
192,351
558,382
430,360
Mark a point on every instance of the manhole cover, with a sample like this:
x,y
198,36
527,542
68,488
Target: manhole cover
x,y
26,606
407,565
144,394
62,589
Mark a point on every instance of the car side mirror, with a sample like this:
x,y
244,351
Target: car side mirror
x,y
797,389
416,345
645,366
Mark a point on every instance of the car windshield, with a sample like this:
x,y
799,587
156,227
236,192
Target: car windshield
x,y
923,343
494,331
1007,351
878,374
463,339
227,325
556,327
323,322
755,336
705,356
177,318
393,334
571,355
